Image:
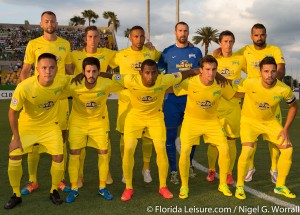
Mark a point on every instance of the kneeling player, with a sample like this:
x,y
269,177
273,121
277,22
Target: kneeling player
x,y
262,98
37,123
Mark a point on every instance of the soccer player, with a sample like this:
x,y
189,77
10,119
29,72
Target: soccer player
x,y
262,98
229,112
38,96
201,118
48,43
177,57
146,91
104,55
129,60
89,124
254,54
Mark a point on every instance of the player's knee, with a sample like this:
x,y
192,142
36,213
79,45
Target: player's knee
x,y
57,158
75,151
15,157
102,152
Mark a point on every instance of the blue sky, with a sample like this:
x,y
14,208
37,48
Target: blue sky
x,y
281,19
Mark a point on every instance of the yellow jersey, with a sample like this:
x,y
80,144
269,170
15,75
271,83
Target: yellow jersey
x,y
90,104
147,100
202,100
40,106
230,68
261,103
104,55
253,57
130,61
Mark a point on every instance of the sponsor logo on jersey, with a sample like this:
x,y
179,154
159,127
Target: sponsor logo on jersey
x,y
235,62
47,105
101,57
101,93
137,66
226,72
61,48
263,106
218,92
147,55
206,104
192,55
147,99
255,64
184,65
57,91
91,105
158,89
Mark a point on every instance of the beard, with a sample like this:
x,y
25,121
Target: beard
x,y
50,31
182,40
260,43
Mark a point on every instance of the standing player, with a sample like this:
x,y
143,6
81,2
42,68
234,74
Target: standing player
x,y
262,99
48,43
254,54
129,60
229,112
104,55
89,124
177,57
37,123
146,91
201,118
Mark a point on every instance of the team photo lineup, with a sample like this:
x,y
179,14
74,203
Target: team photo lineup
x,y
177,95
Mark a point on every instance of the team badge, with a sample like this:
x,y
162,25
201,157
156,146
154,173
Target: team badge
x,y
14,101
117,77
176,75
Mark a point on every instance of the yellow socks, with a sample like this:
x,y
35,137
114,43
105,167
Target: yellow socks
x,y
243,164
15,172
57,171
74,163
284,165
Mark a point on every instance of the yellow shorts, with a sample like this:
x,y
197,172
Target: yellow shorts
x,y
230,120
63,114
192,129
48,137
153,126
251,129
89,133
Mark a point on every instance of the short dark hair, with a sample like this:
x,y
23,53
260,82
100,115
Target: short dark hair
x,y
48,56
136,27
226,33
148,62
90,28
208,59
267,60
258,26
49,13
91,61
181,23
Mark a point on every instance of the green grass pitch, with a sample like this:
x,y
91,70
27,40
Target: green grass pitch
x,y
146,200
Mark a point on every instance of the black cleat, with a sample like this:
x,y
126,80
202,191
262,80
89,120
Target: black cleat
x,y
12,202
55,198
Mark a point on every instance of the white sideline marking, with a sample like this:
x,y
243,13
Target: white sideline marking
x,y
247,189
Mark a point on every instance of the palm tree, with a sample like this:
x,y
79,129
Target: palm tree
x,y
77,20
112,19
206,36
127,32
90,15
